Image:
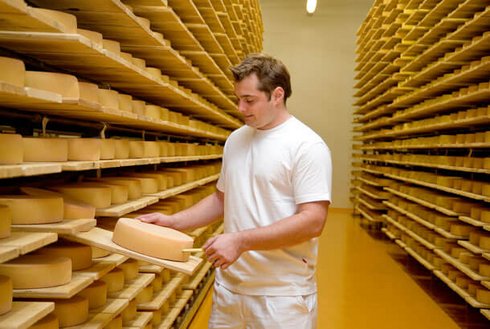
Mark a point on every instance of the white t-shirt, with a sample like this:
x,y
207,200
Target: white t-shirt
x,y
265,175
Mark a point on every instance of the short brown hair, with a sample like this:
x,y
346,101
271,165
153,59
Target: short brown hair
x,y
271,72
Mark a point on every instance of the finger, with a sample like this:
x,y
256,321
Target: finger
x,y
148,218
208,243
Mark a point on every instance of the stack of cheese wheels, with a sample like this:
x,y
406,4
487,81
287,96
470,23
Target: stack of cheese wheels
x,y
5,221
6,294
114,280
37,149
152,240
84,149
72,311
50,321
13,71
36,271
96,293
80,254
94,195
71,209
34,209
130,269
11,148
64,84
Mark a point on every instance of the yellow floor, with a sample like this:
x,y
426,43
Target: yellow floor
x,y
368,283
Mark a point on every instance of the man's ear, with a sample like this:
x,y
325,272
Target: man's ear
x,y
278,94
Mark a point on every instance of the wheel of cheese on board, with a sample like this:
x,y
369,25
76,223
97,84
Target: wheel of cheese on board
x,y
152,240
114,280
61,83
28,209
5,221
12,71
80,254
130,269
36,271
88,92
93,36
6,294
116,323
94,195
66,22
72,311
50,321
11,148
83,149
96,293
38,149
107,149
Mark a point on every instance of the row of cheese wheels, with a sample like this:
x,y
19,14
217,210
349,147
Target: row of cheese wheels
x,y
15,149
13,72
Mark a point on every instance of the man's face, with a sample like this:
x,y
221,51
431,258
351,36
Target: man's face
x,y
258,110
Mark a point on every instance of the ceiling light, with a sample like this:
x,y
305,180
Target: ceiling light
x,y
310,6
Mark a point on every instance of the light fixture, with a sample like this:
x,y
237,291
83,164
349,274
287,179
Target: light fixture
x,y
310,6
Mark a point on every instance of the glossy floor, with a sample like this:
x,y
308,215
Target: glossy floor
x,y
367,282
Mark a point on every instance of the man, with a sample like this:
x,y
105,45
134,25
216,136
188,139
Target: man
x,y
274,190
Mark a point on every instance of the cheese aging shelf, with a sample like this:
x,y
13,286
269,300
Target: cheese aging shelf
x,y
421,125
111,109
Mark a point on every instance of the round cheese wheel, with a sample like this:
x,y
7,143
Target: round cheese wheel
x,y
83,149
485,215
114,280
93,36
88,92
34,209
138,107
145,295
121,149
67,22
125,102
151,149
37,149
148,184
157,283
152,240
96,294
134,185
50,321
107,149
36,271
99,252
5,221
72,311
116,323
108,98
156,319
64,84
130,269
12,71
6,294
130,312
483,295
154,72
136,149
80,254
11,147
96,196
484,269
139,62
153,111
485,241
112,46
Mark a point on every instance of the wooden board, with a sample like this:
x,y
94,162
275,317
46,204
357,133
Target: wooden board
x,y
100,317
65,227
78,283
103,239
133,288
184,187
27,241
28,169
198,277
98,269
140,321
163,295
125,208
8,252
25,314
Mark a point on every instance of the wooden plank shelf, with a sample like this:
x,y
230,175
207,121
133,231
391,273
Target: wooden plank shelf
x,y
25,314
99,268
471,247
162,296
8,252
100,317
18,16
198,277
26,242
141,320
78,283
71,226
198,299
177,313
185,187
28,169
125,208
460,266
413,235
103,239
133,288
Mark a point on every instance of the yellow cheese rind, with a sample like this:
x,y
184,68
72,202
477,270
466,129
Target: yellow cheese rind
x,y
72,311
12,71
34,209
6,294
99,252
145,295
36,271
152,240
83,149
114,280
96,293
116,323
129,313
95,37
134,185
130,269
80,254
107,149
68,22
96,196
88,92
5,221
64,84
108,98
11,148
39,149
50,321
121,149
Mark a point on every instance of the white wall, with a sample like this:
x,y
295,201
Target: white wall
x,y
319,51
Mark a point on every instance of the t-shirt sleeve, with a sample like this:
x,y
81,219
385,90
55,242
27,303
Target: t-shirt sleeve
x,y
312,177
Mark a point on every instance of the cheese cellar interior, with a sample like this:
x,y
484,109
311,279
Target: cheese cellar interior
x,y
115,109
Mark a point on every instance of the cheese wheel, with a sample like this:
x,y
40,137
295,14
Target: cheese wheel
x,y
125,102
151,149
12,71
93,36
483,295
39,149
139,62
80,254
112,46
66,22
96,293
116,323
152,240
6,294
145,295
120,193
160,178
130,269
484,269
96,196
485,216
130,312
36,271
166,275
153,111
121,149
50,321
99,252
148,184
64,84
126,56
11,148
134,185
5,221
71,209
156,319
485,241
138,107
157,283
88,92
154,72
136,149
34,210
107,149
114,280
83,149
72,311
108,98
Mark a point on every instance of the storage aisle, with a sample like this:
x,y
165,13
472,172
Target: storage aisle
x,y
365,282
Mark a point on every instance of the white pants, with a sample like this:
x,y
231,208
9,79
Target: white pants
x,y
235,311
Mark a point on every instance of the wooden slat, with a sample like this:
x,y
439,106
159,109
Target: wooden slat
x,y
25,314
78,283
65,227
26,242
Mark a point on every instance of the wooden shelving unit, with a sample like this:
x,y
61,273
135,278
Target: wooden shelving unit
x,y
175,56
421,124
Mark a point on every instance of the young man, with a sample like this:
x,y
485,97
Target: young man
x,y
274,190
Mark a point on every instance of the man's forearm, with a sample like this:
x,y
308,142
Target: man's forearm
x,y
201,214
